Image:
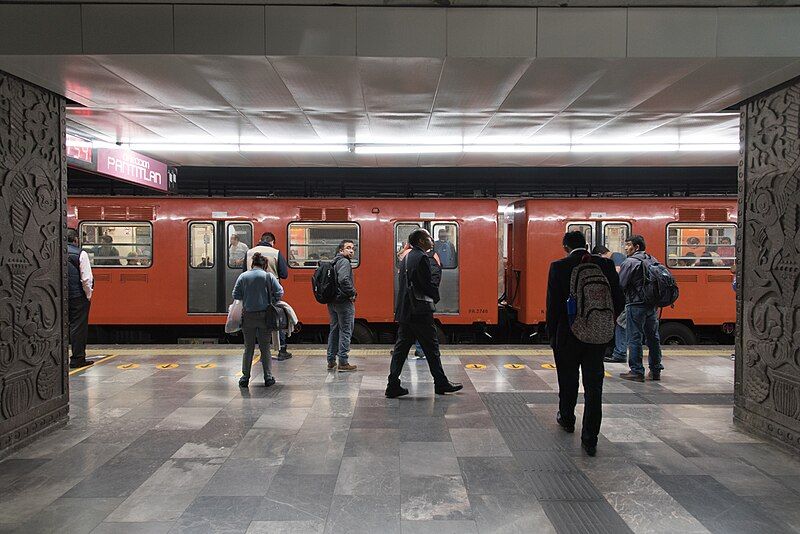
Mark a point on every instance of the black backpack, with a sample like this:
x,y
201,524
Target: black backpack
x,y
658,285
323,283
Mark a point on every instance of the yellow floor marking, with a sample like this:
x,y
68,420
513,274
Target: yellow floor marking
x,y
475,366
128,366
514,366
167,365
205,366
548,366
101,360
607,374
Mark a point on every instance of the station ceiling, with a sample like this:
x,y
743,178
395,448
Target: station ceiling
x,y
218,99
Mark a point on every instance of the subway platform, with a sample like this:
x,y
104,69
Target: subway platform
x,y
162,439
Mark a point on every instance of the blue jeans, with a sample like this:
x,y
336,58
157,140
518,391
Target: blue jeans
x,y
643,326
342,316
620,344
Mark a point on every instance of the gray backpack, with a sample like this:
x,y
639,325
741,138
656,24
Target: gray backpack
x,y
593,320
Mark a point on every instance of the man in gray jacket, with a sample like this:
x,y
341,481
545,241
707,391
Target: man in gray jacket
x,y
641,318
342,311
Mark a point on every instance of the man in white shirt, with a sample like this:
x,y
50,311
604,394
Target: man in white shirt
x,y
80,284
237,251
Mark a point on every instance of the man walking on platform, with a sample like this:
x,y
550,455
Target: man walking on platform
x,y
571,354
80,283
416,299
277,265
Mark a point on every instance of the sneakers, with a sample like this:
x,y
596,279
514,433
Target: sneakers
x,y
611,359
393,392
654,375
567,427
77,364
269,381
244,381
635,377
331,366
449,387
347,367
283,355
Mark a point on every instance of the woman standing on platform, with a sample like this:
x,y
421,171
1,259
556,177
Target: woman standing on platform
x,y
257,289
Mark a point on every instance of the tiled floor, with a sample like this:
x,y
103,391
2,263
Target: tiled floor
x,y
185,450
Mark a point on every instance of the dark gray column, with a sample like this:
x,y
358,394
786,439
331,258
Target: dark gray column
x,y
768,307
33,196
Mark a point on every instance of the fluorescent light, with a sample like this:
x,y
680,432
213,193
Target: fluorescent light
x,y
183,147
517,149
709,147
408,149
293,148
624,148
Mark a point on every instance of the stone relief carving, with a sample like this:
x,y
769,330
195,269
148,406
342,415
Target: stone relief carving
x,y
770,310
32,194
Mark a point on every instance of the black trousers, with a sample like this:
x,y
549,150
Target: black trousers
x,y
78,327
425,333
571,356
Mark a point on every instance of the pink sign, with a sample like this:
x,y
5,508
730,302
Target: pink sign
x,y
132,167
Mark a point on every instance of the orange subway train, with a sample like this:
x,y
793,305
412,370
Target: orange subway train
x,y
165,267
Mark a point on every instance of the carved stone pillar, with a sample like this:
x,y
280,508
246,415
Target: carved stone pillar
x,y
33,314
768,306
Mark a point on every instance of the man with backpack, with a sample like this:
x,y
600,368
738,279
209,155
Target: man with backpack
x,y
333,284
648,285
583,300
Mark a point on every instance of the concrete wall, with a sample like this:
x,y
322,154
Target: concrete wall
x,y
33,195
768,307
368,31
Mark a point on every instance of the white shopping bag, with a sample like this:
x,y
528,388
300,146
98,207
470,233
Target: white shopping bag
x,y
234,322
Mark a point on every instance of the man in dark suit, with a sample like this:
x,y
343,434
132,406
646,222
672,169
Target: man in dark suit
x,y
416,323
569,352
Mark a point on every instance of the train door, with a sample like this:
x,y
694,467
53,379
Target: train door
x,y
611,234
446,246
216,255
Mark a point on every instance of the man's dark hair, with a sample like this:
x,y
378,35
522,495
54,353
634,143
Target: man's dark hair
x,y
636,241
415,238
269,237
600,250
72,236
343,242
107,239
573,240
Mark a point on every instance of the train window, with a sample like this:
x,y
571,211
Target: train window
x,y
128,244
313,242
201,246
240,238
614,236
401,233
446,244
586,228
701,245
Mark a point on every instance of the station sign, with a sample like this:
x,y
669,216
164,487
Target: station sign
x,y
119,163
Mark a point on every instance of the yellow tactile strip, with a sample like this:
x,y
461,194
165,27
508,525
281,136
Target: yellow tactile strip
x,y
383,351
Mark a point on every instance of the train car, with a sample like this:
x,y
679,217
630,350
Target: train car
x,y
172,262
695,238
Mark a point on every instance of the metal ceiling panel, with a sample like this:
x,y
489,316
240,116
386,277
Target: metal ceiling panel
x,y
322,84
477,85
282,126
399,85
169,125
398,127
551,85
568,127
626,84
227,126
340,127
458,126
169,79
514,127
245,82
110,125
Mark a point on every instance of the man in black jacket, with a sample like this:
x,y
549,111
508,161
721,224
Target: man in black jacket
x,y
569,352
342,311
415,322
